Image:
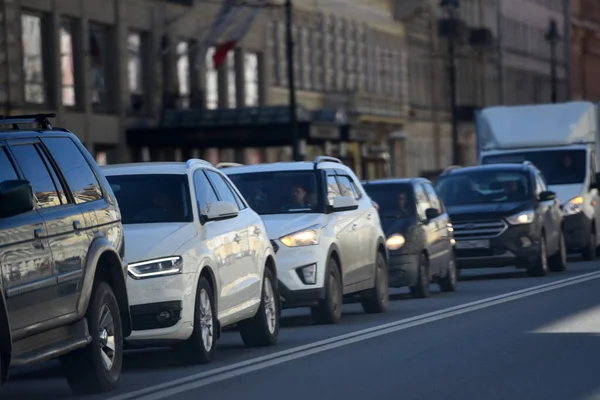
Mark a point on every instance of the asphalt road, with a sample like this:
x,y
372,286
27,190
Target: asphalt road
x,y
502,335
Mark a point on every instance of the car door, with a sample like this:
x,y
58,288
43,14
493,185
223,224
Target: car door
x,y
29,282
443,246
364,234
552,215
246,283
594,192
430,228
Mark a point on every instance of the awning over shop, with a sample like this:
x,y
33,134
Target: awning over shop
x,y
240,127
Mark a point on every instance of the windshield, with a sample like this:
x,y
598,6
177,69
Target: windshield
x,y
280,192
147,199
559,167
483,187
394,200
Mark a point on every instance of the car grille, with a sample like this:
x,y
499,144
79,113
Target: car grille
x,y
275,246
478,229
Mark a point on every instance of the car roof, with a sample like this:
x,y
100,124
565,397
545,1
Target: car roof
x,y
284,166
516,167
156,168
394,181
6,134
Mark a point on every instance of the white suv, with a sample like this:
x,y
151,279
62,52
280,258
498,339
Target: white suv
x,y
325,231
198,256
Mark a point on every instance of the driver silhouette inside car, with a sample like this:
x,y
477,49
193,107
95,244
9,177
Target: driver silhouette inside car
x,y
299,197
403,207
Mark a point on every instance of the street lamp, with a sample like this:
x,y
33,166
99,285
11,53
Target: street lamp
x,y
451,7
553,38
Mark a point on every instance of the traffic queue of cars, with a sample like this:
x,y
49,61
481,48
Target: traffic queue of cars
x,y
96,260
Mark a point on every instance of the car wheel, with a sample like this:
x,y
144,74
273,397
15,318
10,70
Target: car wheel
x,y
421,289
448,283
558,262
97,367
201,346
589,253
329,310
540,266
376,300
263,328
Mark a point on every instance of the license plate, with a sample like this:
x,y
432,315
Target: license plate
x,y
473,244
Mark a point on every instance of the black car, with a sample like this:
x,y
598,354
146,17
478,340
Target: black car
x,y
504,215
62,279
418,232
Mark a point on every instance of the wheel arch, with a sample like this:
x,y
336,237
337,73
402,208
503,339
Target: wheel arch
x,y
5,340
334,252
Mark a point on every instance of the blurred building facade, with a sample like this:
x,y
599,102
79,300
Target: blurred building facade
x,y
125,76
585,45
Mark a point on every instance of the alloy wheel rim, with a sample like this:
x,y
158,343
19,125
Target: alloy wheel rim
x,y
206,320
270,307
106,332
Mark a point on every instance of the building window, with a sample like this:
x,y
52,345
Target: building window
x,y
67,69
134,69
251,79
99,63
183,73
33,60
211,80
231,92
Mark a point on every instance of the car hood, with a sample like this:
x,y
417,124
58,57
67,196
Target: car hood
x,y
392,226
564,193
148,241
470,212
279,225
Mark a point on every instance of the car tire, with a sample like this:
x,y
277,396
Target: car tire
x,y
97,368
558,262
200,348
540,265
589,253
329,310
449,282
263,328
421,289
375,301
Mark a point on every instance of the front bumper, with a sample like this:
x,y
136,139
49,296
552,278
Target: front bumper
x,y
403,269
577,231
504,250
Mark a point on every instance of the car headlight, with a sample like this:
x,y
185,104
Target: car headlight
x,y
155,268
395,242
573,206
306,237
525,217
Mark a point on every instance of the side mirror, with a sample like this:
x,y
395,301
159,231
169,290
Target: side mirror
x,y
344,203
16,197
221,210
547,196
431,213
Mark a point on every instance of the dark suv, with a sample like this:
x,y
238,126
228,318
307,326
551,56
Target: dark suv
x,y
62,279
504,215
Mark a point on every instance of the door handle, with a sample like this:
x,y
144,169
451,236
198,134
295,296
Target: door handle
x,y
77,225
39,232
354,226
257,232
237,238
369,216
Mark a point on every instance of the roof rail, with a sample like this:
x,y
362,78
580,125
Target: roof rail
x,y
450,168
189,163
321,159
222,165
15,120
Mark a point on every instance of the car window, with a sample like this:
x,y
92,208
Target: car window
x,y
422,201
7,170
79,176
36,172
333,190
540,183
433,197
346,187
205,193
240,201
222,188
395,200
152,199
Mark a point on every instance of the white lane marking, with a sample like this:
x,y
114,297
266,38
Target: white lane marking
x,y
205,378
586,321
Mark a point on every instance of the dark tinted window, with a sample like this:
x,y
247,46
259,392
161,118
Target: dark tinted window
x,y
36,172
559,167
484,186
433,197
394,200
205,194
75,168
222,188
240,201
280,192
146,199
7,170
